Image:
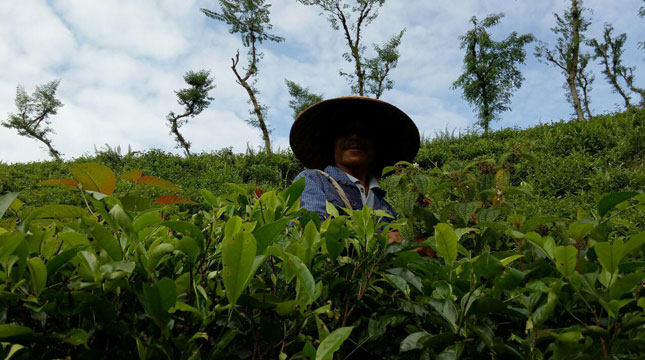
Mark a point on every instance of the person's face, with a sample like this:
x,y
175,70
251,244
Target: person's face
x,y
353,147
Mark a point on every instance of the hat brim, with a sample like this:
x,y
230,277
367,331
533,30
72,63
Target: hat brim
x,y
396,137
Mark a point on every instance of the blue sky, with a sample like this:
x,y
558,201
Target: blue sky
x,y
120,62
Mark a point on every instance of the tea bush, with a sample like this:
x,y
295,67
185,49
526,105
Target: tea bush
x,y
248,274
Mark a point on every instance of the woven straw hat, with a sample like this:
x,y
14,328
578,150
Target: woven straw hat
x,y
395,135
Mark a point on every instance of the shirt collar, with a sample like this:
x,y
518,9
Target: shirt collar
x,y
373,183
344,178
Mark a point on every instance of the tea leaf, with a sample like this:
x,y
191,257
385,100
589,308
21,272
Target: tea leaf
x,y
565,259
610,201
238,254
332,343
94,177
446,240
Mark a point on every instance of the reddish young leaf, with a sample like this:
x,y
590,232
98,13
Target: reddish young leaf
x,y
174,199
157,182
66,182
132,175
258,192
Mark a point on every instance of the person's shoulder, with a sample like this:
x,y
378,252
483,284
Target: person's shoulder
x,y
312,174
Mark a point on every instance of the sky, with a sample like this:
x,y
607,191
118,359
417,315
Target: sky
x,y
119,63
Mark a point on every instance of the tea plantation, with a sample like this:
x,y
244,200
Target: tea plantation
x,y
532,242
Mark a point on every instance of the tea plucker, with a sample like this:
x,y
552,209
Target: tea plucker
x,y
345,143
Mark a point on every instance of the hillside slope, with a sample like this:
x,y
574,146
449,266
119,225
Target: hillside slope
x,y
573,162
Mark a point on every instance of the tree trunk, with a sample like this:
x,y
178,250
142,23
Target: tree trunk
x,y
180,138
572,68
258,113
575,98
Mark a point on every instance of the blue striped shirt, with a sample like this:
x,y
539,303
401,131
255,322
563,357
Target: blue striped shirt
x,y
318,190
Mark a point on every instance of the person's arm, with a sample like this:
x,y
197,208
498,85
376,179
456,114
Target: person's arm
x,y
313,197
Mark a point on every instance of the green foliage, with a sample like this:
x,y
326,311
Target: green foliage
x,y
194,100
251,275
490,70
249,18
566,55
301,98
33,114
370,76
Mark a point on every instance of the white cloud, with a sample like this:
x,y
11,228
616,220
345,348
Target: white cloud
x,y
121,61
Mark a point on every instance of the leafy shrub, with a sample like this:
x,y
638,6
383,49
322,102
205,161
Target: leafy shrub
x,y
250,275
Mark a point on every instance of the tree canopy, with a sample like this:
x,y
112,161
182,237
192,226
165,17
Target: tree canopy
x,y
194,100
490,69
32,118
249,18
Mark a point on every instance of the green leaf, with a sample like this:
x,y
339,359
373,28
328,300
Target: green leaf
x,y
10,331
309,351
5,202
38,272
610,201
626,284
487,266
578,230
565,259
331,209
409,277
74,337
135,203
268,233
60,260
335,237
238,254
332,343
452,352
233,226
634,243
146,219
507,260
447,310
533,223
106,241
157,300
610,255
94,177
398,283
73,239
188,246
186,228
303,274
545,244
446,240
156,254
208,197
414,341
9,242
613,307
293,192
465,210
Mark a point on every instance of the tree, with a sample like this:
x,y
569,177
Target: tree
x,y
249,18
610,53
33,117
490,69
566,53
301,98
378,68
194,100
583,82
370,76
